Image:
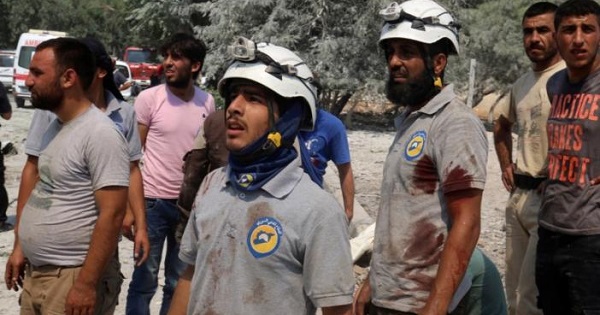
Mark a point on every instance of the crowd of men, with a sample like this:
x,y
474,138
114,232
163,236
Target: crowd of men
x,y
247,225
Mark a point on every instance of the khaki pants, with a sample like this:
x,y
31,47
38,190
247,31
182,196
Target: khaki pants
x,y
521,242
45,289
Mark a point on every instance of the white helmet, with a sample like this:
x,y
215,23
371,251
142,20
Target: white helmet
x,y
423,21
274,67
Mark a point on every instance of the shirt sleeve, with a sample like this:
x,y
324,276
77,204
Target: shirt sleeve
x,y
133,138
143,107
187,248
328,276
340,150
108,158
460,152
505,107
39,134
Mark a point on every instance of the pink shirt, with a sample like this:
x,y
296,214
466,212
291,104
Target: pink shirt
x,y
172,127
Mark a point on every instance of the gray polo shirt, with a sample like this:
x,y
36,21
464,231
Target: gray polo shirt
x,y
438,149
283,249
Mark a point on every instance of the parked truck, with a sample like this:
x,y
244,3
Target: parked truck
x,y
143,63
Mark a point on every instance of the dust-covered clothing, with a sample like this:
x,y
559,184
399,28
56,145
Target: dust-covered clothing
x,y
529,107
570,203
327,142
208,154
173,124
438,149
47,288
268,251
88,153
42,129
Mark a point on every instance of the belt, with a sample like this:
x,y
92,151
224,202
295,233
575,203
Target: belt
x,y
528,182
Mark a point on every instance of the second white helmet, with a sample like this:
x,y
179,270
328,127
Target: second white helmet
x,y
423,21
274,67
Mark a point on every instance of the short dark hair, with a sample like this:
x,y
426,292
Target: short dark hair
x,y
576,8
71,53
539,8
188,46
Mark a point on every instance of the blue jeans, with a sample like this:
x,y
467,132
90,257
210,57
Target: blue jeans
x,y
568,273
162,217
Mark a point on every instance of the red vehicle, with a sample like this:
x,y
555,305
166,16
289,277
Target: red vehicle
x,y
143,63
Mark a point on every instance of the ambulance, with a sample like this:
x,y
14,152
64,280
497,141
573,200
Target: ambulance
x,y
25,50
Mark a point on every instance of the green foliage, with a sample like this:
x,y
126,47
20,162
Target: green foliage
x,y
104,19
337,38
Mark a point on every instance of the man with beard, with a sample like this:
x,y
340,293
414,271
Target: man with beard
x,y
528,107
428,221
568,251
263,238
169,117
69,227
105,96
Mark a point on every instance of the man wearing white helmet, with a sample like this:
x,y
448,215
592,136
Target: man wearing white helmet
x,y
428,221
262,237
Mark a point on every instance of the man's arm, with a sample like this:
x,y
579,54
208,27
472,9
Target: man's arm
x,y
111,202
143,129
362,298
464,208
338,310
181,297
503,144
347,186
135,218
13,274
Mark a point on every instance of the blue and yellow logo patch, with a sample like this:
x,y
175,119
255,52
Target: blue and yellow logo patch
x,y
415,146
264,237
245,180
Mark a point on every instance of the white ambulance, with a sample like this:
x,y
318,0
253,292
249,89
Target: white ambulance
x,y
25,50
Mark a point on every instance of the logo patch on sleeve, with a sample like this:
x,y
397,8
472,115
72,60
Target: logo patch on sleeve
x,y
264,237
415,146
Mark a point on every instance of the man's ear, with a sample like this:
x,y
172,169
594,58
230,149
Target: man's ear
x,y
196,66
69,78
101,73
439,64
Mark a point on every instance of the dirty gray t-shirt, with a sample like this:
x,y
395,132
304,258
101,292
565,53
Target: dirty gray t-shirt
x,y
438,149
42,129
283,249
87,153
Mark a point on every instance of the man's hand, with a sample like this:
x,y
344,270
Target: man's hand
x,y
595,181
81,299
128,225
362,298
138,235
15,269
508,177
141,247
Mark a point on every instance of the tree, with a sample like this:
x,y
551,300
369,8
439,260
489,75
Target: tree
x,y
104,19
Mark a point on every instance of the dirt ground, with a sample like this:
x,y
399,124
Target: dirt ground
x,y
368,148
